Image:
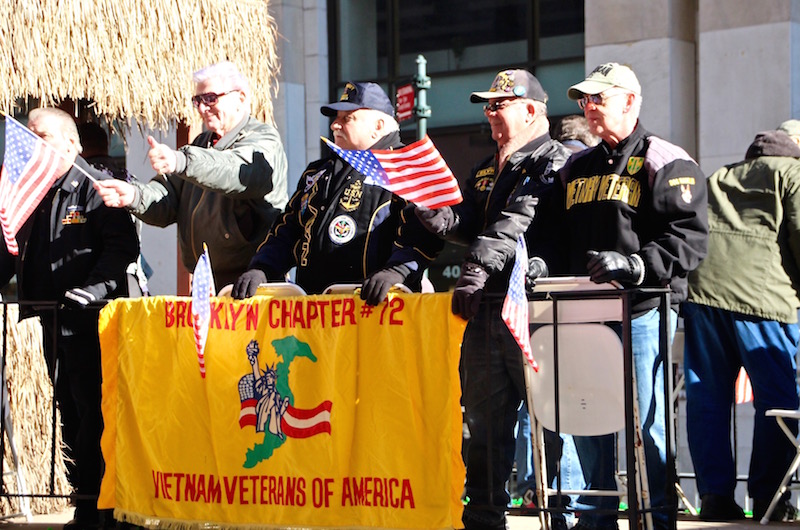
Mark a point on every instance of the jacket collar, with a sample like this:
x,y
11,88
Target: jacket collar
x,y
74,178
529,148
231,135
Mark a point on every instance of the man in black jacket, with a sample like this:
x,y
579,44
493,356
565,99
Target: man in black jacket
x,y
495,209
73,250
632,210
338,229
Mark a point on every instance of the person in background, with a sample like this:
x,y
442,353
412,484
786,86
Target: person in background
x,y
494,206
338,229
573,131
791,128
742,311
225,189
73,249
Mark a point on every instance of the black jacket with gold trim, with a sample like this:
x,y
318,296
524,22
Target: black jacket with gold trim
x,y
336,229
497,209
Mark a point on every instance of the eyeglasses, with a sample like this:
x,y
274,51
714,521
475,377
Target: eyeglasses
x,y
598,100
209,99
495,106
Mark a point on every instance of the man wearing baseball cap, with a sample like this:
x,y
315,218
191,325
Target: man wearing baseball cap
x,y
338,229
633,210
492,380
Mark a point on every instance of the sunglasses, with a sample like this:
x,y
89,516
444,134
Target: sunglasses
x,y
598,100
495,106
209,99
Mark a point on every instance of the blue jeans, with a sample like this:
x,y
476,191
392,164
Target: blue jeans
x,y
718,343
597,453
571,478
523,454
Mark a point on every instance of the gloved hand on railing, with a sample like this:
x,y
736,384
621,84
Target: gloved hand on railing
x,y
247,284
609,265
537,268
377,285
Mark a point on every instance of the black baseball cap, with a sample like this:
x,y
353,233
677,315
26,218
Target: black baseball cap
x,y
512,83
360,96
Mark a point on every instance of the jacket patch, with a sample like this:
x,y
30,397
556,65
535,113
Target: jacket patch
x,y
74,216
342,229
686,184
312,179
635,163
351,197
484,184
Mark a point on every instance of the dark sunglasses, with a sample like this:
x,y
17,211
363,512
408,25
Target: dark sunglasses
x,y
209,99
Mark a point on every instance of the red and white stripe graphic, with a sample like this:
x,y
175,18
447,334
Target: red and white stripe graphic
x,y
304,423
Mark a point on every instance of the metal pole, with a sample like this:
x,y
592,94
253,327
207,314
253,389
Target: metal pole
x,y
422,111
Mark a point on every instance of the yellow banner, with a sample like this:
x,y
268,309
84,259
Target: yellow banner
x,y
315,411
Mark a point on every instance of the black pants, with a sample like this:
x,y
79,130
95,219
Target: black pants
x,y
73,358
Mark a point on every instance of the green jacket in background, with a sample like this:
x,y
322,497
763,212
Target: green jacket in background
x,y
754,241
226,194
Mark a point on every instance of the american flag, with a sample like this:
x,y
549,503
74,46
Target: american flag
x,y
202,291
515,305
30,168
417,172
744,390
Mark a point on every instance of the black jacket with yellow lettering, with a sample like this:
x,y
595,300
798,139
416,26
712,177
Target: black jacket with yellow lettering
x,y
336,229
497,209
646,196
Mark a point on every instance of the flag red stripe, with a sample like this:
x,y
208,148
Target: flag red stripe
x,y
304,414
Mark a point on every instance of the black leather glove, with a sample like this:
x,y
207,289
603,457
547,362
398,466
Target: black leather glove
x,y
537,268
377,285
609,265
247,284
439,221
469,290
79,297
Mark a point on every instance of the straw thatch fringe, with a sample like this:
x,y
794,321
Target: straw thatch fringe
x,y
31,399
133,58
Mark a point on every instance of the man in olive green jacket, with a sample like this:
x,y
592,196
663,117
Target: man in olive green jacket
x,y
225,189
742,311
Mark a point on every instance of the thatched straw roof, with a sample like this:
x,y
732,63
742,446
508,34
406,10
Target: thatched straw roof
x,y
134,58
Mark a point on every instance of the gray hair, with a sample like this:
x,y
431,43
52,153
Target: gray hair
x,y
540,108
63,121
575,127
227,72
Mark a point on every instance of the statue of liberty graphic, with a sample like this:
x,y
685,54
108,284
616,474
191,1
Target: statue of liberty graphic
x,y
271,406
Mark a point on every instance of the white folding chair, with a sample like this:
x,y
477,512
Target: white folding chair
x,y
280,289
349,288
591,399
780,415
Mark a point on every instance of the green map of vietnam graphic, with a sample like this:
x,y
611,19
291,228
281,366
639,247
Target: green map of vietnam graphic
x,y
294,423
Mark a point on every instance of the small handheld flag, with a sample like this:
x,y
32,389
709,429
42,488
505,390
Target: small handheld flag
x,y
30,168
202,291
417,172
515,305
